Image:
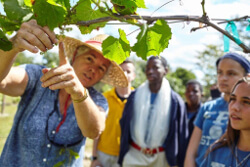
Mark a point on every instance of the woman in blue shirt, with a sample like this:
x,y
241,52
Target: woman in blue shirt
x,y
56,113
233,148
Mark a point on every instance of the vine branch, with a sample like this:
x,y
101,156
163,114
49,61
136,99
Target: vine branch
x,y
203,7
150,19
222,22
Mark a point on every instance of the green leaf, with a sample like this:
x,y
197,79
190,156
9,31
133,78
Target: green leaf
x,y
84,12
5,44
65,3
62,151
15,10
7,25
28,3
140,47
153,41
73,153
127,7
124,41
140,4
127,3
116,49
49,13
60,163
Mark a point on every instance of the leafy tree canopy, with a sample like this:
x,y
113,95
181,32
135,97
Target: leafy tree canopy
x,y
206,63
154,32
60,13
179,78
23,59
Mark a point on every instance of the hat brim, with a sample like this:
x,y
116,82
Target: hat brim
x,y
114,75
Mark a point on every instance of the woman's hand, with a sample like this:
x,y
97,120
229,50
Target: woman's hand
x,y
89,118
33,38
63,77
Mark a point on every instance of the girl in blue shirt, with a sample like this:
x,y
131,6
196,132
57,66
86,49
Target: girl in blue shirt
x,y
212,119
233,148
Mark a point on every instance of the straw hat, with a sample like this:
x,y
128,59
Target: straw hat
x,y
114,75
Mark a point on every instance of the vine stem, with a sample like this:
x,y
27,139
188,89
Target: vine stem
x,y
203,7
150,19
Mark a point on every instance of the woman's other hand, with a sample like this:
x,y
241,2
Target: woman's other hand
x,y
33,37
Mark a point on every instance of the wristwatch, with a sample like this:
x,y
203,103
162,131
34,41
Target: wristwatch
x,y
92,158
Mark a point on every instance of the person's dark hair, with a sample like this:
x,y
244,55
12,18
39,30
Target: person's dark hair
x,y
231,135
163,60
193,81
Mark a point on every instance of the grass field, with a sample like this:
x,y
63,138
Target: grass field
x,y
6,121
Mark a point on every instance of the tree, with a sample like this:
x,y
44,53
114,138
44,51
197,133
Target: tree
x,y
184,75
152,39
23,59
207,58
50,59
206,63
176,84
179,78
140,67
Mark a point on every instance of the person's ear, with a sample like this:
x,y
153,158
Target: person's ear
x,y
134,75
166,70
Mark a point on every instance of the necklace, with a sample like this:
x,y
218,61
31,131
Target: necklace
x,y
241,163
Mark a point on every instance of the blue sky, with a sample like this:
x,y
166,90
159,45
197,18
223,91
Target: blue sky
x,y
183,46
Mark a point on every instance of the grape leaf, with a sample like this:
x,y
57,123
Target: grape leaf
x,y
60,163
49,13
127,3
124,42
84,12
65,3
15,9
116,49
127,7
74,154
160,33
28,3
140,4
153,41
7,25
5,44
140,48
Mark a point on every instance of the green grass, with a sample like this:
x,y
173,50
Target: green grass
x,y
6,121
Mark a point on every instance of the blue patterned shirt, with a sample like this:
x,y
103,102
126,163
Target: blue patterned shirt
x,y
212,119
33,140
